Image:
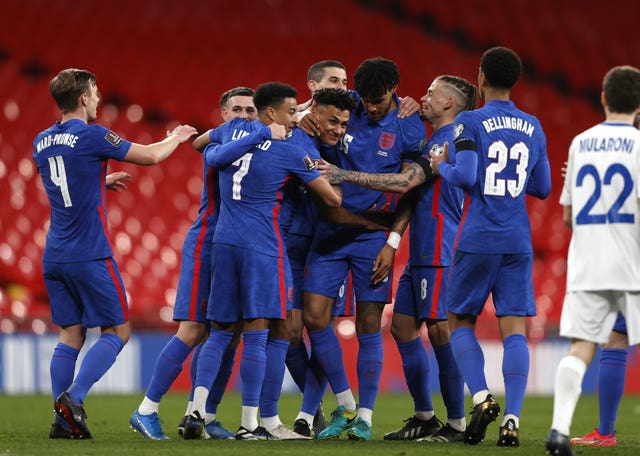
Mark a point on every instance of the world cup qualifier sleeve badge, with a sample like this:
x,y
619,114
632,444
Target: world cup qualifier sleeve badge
x,y
387,140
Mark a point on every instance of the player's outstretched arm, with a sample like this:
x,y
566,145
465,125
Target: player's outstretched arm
x,y
202,141
463,173
222,155
155,153
411,176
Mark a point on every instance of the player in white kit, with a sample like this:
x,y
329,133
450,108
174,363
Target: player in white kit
x,y
601,205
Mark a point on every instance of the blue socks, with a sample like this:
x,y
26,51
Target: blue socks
x,y
515,370
451,382
194,368
220,383
62,368
326,348
314,387
470,358
96,363
273,377
611,378
415,364
168,366
252,366
297,360
210,358
369,368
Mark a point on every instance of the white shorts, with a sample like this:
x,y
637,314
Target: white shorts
x,y
590,315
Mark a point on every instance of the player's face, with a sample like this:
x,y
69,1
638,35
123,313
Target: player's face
x,y
434,102
333,78
379,107
287,114
239,106
92,103
333,123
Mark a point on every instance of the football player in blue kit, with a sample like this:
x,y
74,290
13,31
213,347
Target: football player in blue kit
x,y
434,209
192,296
251,278
500,157
376,141
82,279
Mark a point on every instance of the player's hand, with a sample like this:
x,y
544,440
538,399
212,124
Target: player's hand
x,y
182,132
116,181
563,170
407,107
382,264
333,174
278,131
310,125
436,159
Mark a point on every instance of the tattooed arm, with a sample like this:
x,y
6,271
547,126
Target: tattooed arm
x,y
412,175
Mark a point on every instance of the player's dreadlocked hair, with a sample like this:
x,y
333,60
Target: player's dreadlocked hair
x,y
67,86
621,87
341,99
467,92
235,92
316,71
502,67
375,77
272,94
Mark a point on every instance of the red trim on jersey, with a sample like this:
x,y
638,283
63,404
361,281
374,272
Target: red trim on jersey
x,y
102,208
435,297
348,303
195,284
121,295
467,202
195,281
435,206
281,275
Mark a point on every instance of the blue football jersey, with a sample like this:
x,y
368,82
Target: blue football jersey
x,y
299,214
71,158
436,215
511,150
251,191
373,147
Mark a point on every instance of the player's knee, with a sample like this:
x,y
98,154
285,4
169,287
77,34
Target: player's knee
x,y
314,321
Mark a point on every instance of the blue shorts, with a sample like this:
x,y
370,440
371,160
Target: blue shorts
x,y
297,251
422,293
194,286
620,324
327,269
246,284
506,276
90,293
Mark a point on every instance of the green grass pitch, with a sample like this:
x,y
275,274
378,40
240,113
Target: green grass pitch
x,y
25,423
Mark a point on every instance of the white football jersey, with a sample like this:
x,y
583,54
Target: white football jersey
x,y
602,188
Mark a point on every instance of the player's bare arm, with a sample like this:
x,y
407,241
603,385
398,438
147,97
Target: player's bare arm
x,y
201,141
157,152
116,181
383,263
411,176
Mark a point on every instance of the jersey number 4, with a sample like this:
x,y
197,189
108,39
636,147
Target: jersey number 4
x,y
59,178
613,215
492,184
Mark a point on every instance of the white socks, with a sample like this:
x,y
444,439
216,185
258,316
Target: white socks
x,y
568,387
